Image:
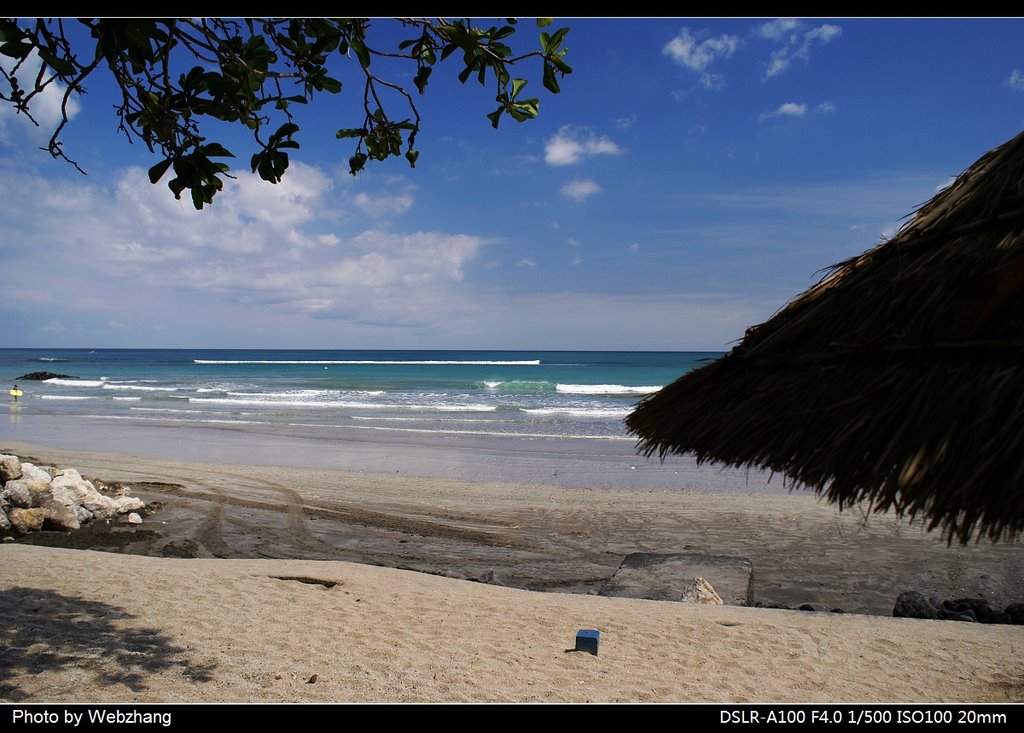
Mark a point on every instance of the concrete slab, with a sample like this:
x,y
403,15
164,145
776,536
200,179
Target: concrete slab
x,y
662,577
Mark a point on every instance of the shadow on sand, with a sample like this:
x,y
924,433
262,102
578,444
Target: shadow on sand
x,y
43,631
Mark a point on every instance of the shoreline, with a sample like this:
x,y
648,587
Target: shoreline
x,y
567,462
121,627
533,536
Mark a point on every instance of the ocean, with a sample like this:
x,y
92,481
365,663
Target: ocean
x,y
563,394
549,417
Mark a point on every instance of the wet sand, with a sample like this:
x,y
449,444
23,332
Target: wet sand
x,y
241,586
533,537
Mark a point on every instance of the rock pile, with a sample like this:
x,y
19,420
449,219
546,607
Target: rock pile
x,y
912,604
35,498
42,376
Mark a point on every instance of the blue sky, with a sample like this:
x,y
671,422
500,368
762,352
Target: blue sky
x,y
691,178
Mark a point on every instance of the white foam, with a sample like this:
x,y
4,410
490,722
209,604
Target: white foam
x,y
127,399
526,362
604,389
75,382
63,397
116,385
580,411
443,431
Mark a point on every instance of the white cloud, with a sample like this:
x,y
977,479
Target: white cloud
x,y
570,145
271,246
797,109
526,263
778,30
624,123
712,81
788,109
686,50
580,189
44,107
52,327
796,43
823,34
384,205
634,247
1016,80
573,242
577,261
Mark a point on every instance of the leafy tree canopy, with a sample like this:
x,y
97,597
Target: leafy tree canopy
x,y
176,75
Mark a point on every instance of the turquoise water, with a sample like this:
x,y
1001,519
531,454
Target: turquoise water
x,y
508,394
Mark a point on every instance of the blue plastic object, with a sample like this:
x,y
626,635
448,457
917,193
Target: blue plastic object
x,y
586,640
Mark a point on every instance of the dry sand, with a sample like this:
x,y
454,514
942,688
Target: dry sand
x,y
79,625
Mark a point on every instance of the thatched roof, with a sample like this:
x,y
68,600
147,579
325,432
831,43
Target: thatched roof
x,y
897,380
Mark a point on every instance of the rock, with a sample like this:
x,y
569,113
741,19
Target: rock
x,y
40,376
127,504
700,591
1016,613
61,494
102,507
983,610
5,523
83,514
664,576
60,505
60,517
71,480
10,468
35,473
806,607
24,521
951,615
911,604
18,493
133,518
1000,617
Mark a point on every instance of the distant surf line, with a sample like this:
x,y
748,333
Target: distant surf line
x,y
398,362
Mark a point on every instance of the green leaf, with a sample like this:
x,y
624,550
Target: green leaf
x,y
495,116
550,80
158,170
524,110
421,78
327,84
517,85
544,22
61,66
198,198
361,51
356,163
412,156
350,132
177,186
216,150
285,130
555,40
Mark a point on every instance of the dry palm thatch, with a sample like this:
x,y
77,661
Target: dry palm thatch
x,y
897,380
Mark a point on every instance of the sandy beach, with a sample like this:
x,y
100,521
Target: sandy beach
x,y
249,580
